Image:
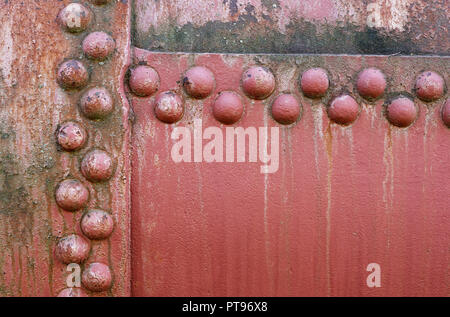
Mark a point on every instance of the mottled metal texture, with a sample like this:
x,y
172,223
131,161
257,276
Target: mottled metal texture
x,y
343,196
32,107
293,26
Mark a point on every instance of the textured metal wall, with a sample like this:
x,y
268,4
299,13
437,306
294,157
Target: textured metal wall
x,y
38,95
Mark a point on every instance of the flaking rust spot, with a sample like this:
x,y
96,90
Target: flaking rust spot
x,y
286,78
393,15
193,110
229,60
371,111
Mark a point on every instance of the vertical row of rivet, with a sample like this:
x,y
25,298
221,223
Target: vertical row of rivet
x,y
97,165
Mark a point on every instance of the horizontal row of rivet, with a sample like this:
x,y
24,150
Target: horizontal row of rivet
x,y
259,83
344,109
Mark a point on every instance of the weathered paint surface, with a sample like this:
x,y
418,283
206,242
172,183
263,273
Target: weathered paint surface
x,y
293,26
32,106
343,197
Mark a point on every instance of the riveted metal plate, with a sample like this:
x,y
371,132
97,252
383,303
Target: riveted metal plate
x,y
346,181
341,196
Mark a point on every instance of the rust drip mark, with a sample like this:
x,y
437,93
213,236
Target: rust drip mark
x,y
318,133
266,186
31,265
388,160
427,139
329,148
286,188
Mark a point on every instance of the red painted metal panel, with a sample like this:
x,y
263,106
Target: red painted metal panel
x,y
343,196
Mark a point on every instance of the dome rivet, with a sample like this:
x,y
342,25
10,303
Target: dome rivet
x,y
343,110
198,82
258,82
97,166
97,277
169,107
71,195
143,81
228,107
71,136
72,74
97,224
429,86
285,109
96,103
371,83
72,249
74,17
446,113
314,83
401,112
98,45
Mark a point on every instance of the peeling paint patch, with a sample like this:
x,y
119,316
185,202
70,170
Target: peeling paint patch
x,y
391,15
6,52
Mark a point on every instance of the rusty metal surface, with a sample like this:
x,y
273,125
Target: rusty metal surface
x,y
32,107
343,196
292,26
373,188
